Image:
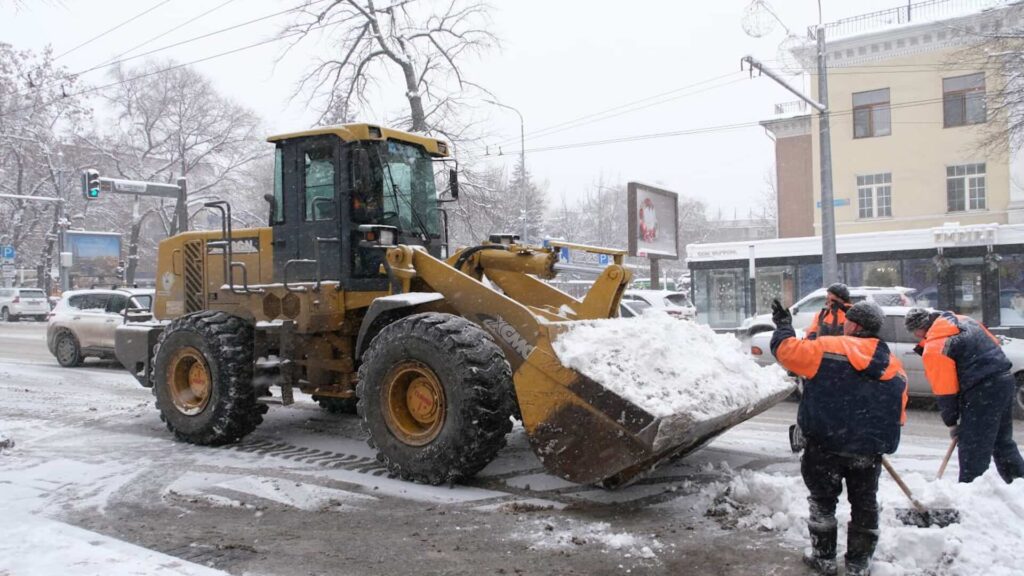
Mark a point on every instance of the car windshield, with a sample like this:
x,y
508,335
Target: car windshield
x,y
408,185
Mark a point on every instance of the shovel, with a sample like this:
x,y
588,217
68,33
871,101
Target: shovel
x,y
919,515
949,452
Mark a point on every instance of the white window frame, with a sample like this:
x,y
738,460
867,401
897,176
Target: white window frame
x,y
876,187
973,183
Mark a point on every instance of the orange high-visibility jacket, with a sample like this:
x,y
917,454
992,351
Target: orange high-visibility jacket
x,y
959,352
828,322
855,391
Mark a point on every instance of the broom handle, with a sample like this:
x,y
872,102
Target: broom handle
x,y
899,481
949,452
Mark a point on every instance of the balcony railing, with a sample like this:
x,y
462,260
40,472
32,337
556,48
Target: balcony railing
x,y
929,10
787,108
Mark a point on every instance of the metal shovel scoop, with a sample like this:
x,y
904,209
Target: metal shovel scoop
x,y
919,515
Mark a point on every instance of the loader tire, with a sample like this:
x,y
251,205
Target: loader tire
x,y
337,405
202,379
434,397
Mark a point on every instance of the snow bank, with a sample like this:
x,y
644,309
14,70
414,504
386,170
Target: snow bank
x,y
986,541
667,366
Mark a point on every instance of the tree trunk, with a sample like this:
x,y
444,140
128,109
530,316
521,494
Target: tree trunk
x,y
133,253
416,113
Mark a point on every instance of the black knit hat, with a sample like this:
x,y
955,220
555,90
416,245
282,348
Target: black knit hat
x,y
867,315
919,319
839,290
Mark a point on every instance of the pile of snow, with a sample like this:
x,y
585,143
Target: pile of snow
x,y
667,366
986,541
545,536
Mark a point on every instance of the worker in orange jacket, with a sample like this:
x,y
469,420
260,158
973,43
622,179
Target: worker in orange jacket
x,y
970,377
829,321
853,405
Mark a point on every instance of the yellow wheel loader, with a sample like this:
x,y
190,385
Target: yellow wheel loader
x,y
350,295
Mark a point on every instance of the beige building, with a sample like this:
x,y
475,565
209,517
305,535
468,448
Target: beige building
x,y
908,121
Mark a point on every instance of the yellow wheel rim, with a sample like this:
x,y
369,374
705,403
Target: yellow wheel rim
x,y
414,403
189,381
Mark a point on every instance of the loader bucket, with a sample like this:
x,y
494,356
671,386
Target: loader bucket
x,y
587,433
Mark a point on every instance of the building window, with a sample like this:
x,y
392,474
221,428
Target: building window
x,y
874,196
963,100
871,114
965,187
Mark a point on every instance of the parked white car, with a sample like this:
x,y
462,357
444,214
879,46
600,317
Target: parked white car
x,y
674,303
901,344
17,303
808,307
84,321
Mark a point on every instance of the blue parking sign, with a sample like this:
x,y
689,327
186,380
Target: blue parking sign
x,y
604,259
8,252
563,254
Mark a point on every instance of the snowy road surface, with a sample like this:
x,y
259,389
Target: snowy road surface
x,y
94,484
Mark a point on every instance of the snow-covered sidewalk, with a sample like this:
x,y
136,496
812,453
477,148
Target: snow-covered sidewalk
x,y
986,541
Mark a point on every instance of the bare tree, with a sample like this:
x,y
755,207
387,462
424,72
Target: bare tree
x,y
999,52
171,123
39,115
372,42
494,203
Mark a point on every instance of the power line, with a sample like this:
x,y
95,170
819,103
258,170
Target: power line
x,y
168,68
102,34
717,128
176,28
187,41
629,107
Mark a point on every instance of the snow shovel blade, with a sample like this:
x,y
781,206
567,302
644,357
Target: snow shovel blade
x,y
587,434
937,517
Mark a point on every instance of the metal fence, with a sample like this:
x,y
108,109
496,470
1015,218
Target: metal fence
x,y
926,11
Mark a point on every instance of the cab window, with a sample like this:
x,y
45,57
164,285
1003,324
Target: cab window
x,y
319,183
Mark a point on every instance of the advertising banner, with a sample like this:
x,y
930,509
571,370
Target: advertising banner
x,y
94,254
652,222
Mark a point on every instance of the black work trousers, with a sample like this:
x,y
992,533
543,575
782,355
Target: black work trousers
x,y
986,430
824,473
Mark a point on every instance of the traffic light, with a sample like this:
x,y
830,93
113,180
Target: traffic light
x,y
90,184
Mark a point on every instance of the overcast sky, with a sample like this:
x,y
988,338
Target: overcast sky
x,y
559,61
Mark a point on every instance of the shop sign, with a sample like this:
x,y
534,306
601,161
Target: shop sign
x,y
975,235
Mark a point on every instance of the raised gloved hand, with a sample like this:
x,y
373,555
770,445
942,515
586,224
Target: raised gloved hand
x,y
954,431
780,314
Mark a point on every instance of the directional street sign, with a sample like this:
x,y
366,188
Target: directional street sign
x,y
7,252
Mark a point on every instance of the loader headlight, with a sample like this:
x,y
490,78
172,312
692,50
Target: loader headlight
x,y
377,236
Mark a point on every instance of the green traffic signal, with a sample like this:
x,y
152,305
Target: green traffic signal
x,y
90,184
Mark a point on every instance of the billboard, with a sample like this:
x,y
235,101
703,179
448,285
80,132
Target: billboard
x,y
93,254
652,222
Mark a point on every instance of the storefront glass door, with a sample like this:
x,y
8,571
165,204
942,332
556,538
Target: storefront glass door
x,y
967,293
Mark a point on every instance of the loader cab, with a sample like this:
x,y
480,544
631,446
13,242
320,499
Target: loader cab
x,y
328,182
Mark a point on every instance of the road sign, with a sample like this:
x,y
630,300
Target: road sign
x,y
7,252
604,259
7,271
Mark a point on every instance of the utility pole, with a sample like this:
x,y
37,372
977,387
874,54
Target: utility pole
x,y
829,263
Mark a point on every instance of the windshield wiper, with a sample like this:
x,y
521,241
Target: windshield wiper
x,y
396,192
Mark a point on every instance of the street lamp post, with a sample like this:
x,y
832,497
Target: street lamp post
x,y
522,162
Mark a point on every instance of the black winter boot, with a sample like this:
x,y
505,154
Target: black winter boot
x,y
823,559
860,547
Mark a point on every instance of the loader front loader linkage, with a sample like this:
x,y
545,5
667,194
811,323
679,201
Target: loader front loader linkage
x,y
580,430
